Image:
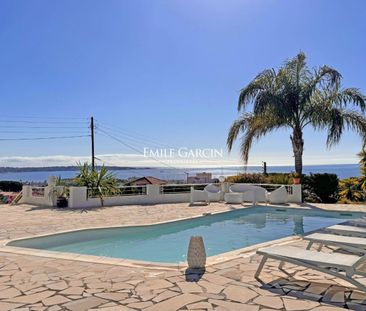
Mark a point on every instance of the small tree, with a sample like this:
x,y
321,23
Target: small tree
x,y
101,183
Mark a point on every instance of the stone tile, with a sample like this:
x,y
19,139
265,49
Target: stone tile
x,y
175,303
299,304
334,294
239,294
318,289
31,299
112,296
84,304
73,291
153,284
9,293
140,305
165,295
326,308
211,287
269,301
200,305
189,287
55,300
6,306
57,286
233,306
216,279
114,308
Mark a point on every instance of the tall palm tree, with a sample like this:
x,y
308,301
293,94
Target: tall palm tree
x,y
294,97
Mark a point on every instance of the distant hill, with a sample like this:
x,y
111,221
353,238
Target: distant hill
x,y
59,168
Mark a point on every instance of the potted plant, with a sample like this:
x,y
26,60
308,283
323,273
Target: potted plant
x,y
58,196
296,178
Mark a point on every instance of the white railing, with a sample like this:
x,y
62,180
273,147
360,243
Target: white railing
x,y
271,187
121,191
180,188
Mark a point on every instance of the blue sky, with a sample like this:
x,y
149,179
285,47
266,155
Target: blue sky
x,y
167,71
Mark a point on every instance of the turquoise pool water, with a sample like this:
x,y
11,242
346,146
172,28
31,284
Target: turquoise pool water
x,y
168,242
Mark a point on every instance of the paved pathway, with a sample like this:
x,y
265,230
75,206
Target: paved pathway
x,y
36,283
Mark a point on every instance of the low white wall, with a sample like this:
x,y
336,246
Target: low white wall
x,y
29,198
79,197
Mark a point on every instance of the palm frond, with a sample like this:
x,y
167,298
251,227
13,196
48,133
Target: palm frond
x,y
261,82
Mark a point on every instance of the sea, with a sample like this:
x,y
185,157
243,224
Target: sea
x,y
180,174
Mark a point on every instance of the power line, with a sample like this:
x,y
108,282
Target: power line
x,y
42,127
45,118
135,149
43,122
135,136
43,138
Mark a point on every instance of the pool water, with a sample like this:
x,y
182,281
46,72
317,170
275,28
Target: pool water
x,y
168,242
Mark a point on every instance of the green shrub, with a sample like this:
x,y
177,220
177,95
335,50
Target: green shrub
x,y
10,186
350,189
279,178
320,188
251,178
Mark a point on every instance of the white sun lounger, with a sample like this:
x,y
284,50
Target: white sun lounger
x,y
343,266
352,244
348,230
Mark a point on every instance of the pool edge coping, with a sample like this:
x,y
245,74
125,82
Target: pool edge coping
x,y
211,260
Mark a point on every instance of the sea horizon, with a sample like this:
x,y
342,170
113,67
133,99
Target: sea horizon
x,y
40,174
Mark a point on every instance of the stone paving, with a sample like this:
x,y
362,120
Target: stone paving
x,y
38,283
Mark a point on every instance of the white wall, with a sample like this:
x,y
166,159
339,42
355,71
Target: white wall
x,y
78,197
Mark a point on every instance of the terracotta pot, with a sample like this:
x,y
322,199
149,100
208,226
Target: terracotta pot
x,y
196,256
296,181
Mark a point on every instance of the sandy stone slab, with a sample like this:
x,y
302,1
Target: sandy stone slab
x,y
217,279
239,293
189,287
84,304
299,304
114,308
175,303
211,287
6,306
326,308
55,300
233,306
112,296
33,298
9,293
200,305
153,284
73,291
140,305
165,295
273,302
57,286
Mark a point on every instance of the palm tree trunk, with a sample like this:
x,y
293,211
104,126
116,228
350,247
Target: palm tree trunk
x,y
298,148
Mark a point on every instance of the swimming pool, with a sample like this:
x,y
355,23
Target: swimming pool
x,y
168,242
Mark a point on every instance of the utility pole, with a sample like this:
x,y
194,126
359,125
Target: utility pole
x,y
92,141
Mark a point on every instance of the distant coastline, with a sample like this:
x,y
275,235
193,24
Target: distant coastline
x,y
40,174
59,169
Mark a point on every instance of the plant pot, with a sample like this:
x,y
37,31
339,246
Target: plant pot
x,y
296,181
61,202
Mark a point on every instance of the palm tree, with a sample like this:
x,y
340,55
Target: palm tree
x,y
100,183
294,97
